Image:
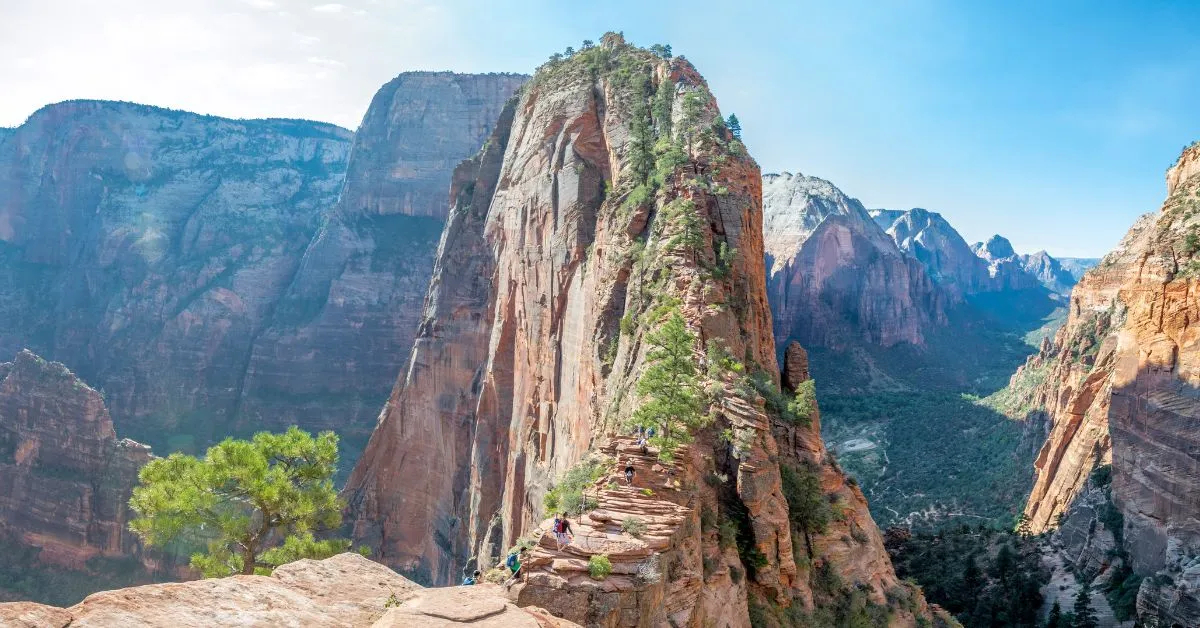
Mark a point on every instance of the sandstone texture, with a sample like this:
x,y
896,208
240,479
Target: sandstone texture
x,y
346,591
65,477
557,260
834,277
205,275
946,256
1119,383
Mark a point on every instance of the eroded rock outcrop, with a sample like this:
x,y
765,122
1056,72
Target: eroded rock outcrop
x,y
145,248
608,194
1005,267
65,477
345,591
834,277
344,326
203,272
1119,383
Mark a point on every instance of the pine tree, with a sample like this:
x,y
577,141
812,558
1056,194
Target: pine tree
x,y
735,126
1085,615
672,399
1055,619
254,504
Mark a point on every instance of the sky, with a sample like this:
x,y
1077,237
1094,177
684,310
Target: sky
x,y
1051,123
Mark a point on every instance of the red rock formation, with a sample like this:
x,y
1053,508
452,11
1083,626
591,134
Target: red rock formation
x,y
65,478
835,278
345,591
1119,384
203,272
553,264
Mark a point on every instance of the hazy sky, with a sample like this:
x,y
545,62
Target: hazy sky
x,y
1049,122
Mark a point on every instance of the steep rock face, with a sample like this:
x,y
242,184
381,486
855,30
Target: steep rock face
x,y
345,325
346,591
835,278
1077,266
559,256
65,478
1119,383
202,272
946,256
1049,272
145,248
1005,267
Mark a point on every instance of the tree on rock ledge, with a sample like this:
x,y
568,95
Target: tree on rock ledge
x,y
253,504
672,399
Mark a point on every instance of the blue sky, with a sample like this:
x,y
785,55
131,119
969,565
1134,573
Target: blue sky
x,y
1048,122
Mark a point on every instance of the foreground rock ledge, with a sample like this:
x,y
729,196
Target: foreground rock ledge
x,y
344,591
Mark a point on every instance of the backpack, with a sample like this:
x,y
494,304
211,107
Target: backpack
x,y
560,526
511,563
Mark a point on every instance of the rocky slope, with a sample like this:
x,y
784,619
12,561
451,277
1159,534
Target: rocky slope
x,y
1006,268
834,277
1077,266
201,270
65,477
345,591
1118,383
1049,272
608,195
344,325
145,248
947,258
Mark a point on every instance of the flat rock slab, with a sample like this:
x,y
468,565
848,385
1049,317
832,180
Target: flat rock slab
x,y
32,615
478,606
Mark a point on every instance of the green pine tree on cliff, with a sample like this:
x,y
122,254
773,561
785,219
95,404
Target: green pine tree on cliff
x,y
253,504
1085,615
672,399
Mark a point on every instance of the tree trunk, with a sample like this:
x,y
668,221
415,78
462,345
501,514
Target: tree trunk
x,y
248,562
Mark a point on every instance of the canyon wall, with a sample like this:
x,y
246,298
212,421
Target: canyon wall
x,y
202,271
1119,383
834,277
609,196
65,477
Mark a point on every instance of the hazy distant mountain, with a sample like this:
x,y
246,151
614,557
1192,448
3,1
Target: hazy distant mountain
x,y
1077,266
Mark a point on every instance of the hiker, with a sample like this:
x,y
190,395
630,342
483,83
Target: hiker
x,y
629,473
514,563
562,531
471,579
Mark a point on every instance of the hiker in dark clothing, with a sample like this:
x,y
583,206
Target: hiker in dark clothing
x,y
562,531
629,473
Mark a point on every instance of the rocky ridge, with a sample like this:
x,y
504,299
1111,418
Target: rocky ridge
x,y
834,277
202,271
1118,383
563,248
345,591
65,477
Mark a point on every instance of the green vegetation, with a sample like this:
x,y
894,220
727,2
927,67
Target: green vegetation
x,y
808,508
599,567
1084,616
672,399
985,577
939,454
569,494
633,527
253,504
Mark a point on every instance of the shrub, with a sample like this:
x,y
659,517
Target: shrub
x,y
496,575
569,493
633,527
599,566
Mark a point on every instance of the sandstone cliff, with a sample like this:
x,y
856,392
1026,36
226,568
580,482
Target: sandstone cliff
x,y
1006,268
145,248
609,193
202,272
947,258
345,591
345,323
1119,383
834,277
65,477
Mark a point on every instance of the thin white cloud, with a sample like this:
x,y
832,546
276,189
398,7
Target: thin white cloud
x,y
326,63
261,4
329,8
